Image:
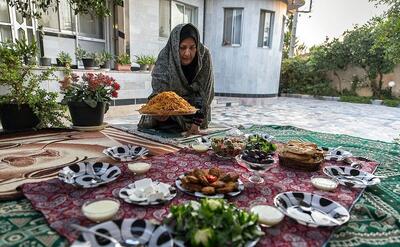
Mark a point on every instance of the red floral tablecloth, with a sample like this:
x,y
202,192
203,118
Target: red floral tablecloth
x,y
61,203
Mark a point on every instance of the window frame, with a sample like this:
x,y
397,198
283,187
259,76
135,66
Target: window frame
x,y
185,5
234,9
15,26
261,32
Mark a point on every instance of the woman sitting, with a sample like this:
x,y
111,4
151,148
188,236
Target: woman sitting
x,y
183,66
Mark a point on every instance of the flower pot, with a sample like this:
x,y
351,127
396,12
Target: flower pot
x,y
143,67
89,63
84,115
45,61
151,67
106,66
123,67
14,117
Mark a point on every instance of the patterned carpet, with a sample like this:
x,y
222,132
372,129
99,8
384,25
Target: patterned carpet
x,y
374,221
39,156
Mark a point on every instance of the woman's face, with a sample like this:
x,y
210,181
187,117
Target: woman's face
x,y
187,50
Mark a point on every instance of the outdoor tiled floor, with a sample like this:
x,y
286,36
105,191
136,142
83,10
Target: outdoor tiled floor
x,y
362,120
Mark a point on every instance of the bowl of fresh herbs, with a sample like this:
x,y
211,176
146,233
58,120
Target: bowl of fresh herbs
x,y
213,222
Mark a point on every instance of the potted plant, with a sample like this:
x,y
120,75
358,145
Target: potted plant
x,y
26,105
88,59
64,59
104,60
143,62
89,98
151,60
123,62
27,51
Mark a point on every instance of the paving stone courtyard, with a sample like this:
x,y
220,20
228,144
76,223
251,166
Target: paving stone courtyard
x,y
362,120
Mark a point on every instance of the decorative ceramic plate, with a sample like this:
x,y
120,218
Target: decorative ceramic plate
x,y
336,154
311,209
125,152
144,231
127,194
350,176
178,184
89,174
90,128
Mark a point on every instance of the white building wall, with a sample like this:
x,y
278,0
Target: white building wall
x,y
144,25
247,69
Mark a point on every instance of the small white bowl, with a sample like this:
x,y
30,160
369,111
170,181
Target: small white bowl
x,y
201,148
324,183
139,167
267,215
100,210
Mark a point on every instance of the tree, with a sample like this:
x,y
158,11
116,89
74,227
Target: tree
x,y
331,56
98,7
388,30
364,52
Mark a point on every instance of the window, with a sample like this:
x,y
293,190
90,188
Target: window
x,y
266,29
91,26
164,17
173,13
233,19
5,22
61,20
13,26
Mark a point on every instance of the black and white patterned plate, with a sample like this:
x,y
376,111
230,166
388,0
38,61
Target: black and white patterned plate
x,y
352,177
178,184
311,209
146,232
336,154
125,152
124,194
89,174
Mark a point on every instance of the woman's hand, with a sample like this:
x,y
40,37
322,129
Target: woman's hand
x,y
194,130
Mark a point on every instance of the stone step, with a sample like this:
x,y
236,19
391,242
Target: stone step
x,y
225,103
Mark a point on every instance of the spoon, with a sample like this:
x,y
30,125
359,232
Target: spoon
x,y
127,242
307,208
351,179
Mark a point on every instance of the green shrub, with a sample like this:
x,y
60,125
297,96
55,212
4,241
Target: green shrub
x,y
298,75
355,99
391,102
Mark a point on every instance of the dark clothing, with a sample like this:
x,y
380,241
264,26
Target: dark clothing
x,y
195,83
190,70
